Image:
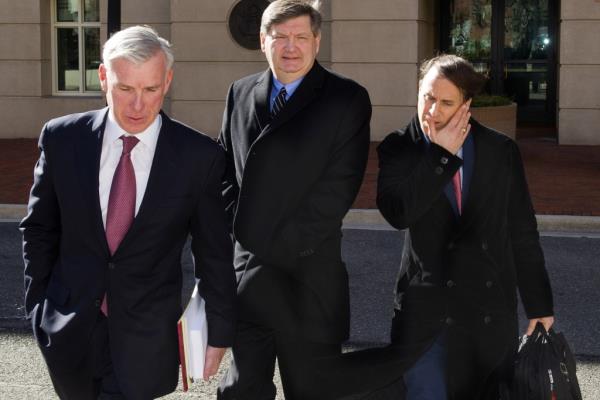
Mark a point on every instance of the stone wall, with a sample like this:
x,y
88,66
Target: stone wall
x,y
579,73
377,42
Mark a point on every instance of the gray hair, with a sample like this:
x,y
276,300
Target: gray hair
x,y
282,10
137,44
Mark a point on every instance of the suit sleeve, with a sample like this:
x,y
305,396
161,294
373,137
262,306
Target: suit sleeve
x,y
409,181
229,185
332,195
213,257
532,277
41,229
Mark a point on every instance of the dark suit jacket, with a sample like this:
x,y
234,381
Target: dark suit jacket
x,y
68,267
460,274
291,181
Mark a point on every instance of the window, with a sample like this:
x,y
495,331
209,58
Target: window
x,y
76,46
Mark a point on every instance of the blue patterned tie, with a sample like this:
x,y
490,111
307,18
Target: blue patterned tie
x,y
279,102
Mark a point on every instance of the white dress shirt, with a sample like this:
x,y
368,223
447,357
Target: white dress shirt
x,y
141,158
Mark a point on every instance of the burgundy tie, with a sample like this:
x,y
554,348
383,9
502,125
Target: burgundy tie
x,y
121,202
457,191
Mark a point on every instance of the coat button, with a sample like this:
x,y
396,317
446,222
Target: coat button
x,y
111,265
450,283
98,303
444,160
450,246
487,319
484,245
439,170
449,321
489,284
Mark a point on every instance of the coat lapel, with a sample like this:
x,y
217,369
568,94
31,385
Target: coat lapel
x,y
481,182
468,154
88,158
262,92
468,165
304,95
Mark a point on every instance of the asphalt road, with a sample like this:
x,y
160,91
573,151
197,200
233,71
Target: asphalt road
x,y
371,257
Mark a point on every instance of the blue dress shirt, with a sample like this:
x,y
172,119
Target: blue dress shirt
x,y
290,88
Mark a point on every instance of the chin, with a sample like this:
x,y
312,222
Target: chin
x,y
133,129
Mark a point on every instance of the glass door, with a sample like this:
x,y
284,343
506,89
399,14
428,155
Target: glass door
x,y
469,32
514,43
529,72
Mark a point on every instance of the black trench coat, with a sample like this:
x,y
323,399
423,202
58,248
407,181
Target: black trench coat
x,y
290,182
460,274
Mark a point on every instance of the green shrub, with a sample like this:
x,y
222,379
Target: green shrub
x,y
486,100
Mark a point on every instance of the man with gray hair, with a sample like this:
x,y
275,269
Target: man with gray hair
x,y
297,139
116,194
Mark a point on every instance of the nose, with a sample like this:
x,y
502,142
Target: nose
x,y
433,109
290,43
138,102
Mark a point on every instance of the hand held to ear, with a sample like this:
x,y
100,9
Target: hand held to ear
x,y
452,136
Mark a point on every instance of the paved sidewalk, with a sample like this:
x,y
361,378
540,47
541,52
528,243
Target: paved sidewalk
x,y
564,180
372,261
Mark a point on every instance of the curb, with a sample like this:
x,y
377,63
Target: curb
x,y
372,219
12,211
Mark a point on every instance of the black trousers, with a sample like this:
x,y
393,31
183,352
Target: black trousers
x,y
250,376
93,378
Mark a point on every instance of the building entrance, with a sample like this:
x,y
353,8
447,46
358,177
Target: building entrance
x,y
514,43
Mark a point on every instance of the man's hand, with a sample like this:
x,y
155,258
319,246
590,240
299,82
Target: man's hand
x,y
546,321
213,358
452,136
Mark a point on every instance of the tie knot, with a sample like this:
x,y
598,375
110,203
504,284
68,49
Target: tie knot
x,y
129,143
282,93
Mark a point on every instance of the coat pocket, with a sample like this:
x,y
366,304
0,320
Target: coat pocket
x,y
56,292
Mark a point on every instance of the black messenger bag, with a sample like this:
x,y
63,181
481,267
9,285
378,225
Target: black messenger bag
x,y
545,368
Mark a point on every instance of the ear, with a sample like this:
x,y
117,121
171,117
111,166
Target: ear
x,y
263,36
318,40
102,76
168,80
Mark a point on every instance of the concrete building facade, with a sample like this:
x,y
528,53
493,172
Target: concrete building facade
x,y
379,43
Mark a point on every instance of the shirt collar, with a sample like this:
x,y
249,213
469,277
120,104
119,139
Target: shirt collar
x,y
148,137
290,88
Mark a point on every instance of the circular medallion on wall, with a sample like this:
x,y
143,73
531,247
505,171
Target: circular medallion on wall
x,y
244,22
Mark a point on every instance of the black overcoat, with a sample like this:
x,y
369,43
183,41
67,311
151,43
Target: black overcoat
x,y
291,180
460,274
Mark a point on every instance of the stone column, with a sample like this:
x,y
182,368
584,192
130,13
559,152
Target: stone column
x,y
579,73
207,61
26,99
379,43
156,13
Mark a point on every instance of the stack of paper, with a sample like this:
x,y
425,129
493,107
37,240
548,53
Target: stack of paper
x,y
193,335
